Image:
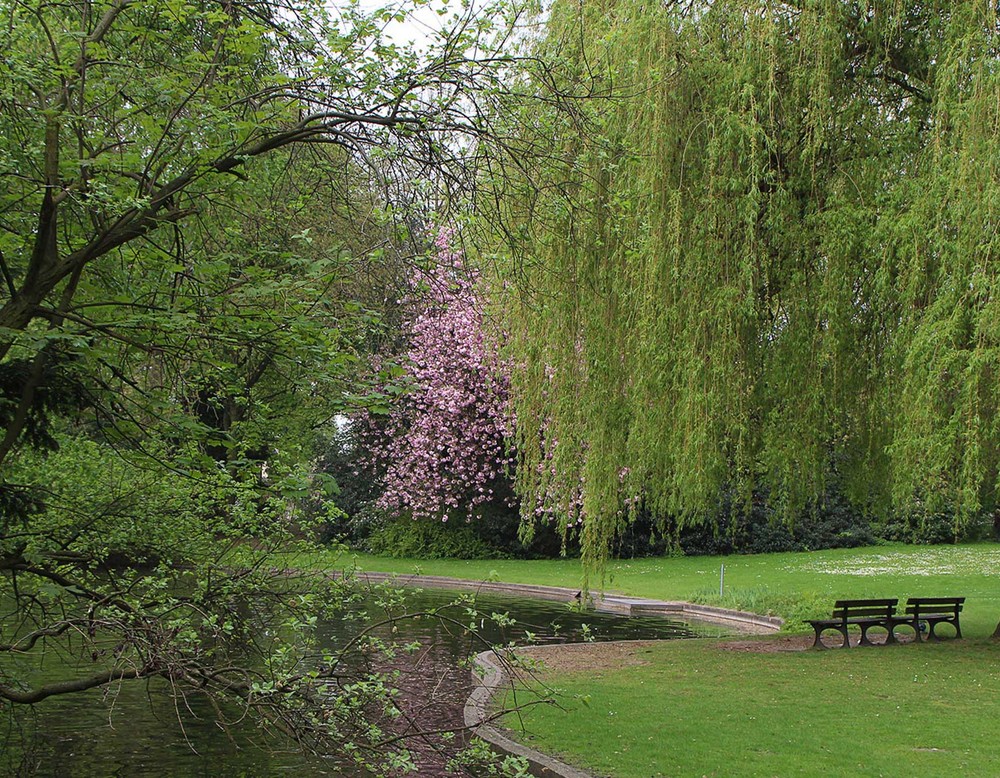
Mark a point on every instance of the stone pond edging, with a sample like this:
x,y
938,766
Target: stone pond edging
x,y
477,717
489,669
606,603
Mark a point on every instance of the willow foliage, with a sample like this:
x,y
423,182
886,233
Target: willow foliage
x,y
763,251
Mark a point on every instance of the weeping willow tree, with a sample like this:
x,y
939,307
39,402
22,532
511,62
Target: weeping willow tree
x,y
763,251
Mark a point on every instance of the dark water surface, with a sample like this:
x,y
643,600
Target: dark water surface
x,y
141,729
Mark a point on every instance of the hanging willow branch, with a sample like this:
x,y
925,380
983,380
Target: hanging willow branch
x,y
767,259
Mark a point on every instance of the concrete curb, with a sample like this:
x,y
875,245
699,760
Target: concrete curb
x,y
477,718
607,603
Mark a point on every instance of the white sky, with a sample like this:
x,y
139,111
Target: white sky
x,y
421,23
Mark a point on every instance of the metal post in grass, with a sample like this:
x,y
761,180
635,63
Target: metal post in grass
x,y
722,580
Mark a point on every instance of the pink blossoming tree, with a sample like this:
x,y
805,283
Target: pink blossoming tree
x,y
444,446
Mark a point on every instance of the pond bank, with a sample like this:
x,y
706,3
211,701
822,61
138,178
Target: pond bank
x,y
478,717
607,602
491,670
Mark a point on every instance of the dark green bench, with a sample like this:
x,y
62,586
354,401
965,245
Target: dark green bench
x,y
863,614
930,611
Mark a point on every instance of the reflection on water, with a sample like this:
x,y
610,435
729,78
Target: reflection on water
x,y
141,729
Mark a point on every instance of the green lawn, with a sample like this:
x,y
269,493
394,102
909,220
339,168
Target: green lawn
x,y
792,585
696,710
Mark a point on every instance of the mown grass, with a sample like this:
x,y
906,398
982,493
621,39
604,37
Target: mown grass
x,y
792,585
697,710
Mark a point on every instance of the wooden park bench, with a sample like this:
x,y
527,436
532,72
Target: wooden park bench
x,y
920,613
930,611
863,614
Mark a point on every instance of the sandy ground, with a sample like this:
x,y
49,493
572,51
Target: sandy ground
x,y
581,657
584,657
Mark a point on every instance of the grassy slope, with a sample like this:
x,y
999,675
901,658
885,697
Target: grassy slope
x,y
792,585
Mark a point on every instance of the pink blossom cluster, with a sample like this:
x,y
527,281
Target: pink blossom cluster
x,y
446,442
556,502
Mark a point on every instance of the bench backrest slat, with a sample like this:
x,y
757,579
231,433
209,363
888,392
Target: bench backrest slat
x,y
917,605
850,612
845,609
865,603
935,601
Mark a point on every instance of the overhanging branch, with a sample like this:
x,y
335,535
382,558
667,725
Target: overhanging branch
x,y
31,696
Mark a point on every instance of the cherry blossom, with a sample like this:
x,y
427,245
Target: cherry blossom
x,y
445,449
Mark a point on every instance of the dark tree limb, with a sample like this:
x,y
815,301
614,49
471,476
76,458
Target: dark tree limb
x,y
27,642
31,696
20,418
20,565
7,277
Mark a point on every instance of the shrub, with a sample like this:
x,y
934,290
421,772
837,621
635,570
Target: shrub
x,y
832,524
416,539
926,528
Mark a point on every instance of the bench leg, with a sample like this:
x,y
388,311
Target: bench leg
x,y
915,626
864,641
932,623
817,643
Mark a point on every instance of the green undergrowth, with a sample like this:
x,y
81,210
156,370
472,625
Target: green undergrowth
x,y
692,708
767,601
793,585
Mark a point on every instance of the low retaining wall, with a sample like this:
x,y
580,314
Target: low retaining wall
x,y
477,716
608,603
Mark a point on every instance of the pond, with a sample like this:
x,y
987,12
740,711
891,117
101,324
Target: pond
x,y
140,729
